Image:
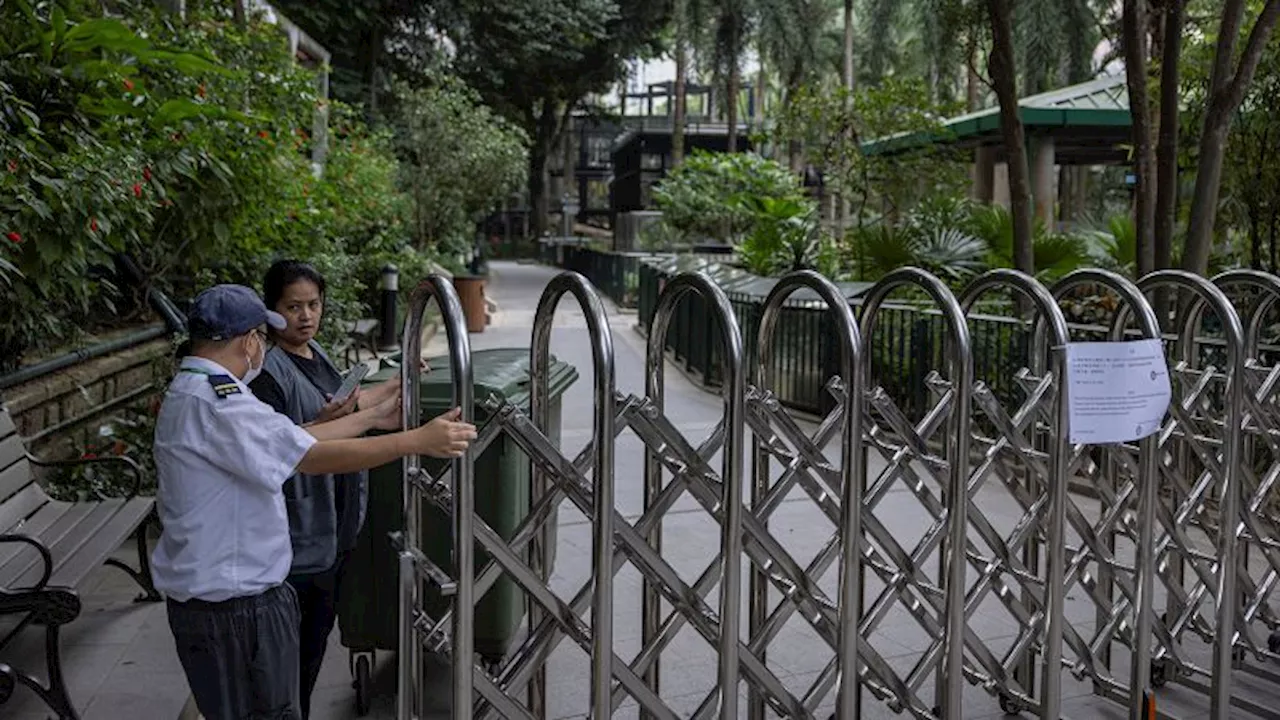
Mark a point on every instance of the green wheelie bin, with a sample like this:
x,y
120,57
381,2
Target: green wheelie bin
x,y
368,599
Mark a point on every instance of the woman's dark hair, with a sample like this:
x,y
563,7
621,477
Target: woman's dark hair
x,y
284,273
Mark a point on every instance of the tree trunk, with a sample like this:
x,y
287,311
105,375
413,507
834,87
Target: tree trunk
x,y
1004,78
734,81
681,107
842,219
973,82
762,84
544,140
1227,86
1134,35
1167,148
848,45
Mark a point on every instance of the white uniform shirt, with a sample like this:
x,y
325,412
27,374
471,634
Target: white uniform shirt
x,y
222,457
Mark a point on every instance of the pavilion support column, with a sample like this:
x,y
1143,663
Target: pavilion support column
x,y
984,174
1043,162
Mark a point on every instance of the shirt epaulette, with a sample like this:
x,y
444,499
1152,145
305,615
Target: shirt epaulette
x,y
224,386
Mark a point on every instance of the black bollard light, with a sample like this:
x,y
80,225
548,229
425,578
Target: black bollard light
x,y
388,340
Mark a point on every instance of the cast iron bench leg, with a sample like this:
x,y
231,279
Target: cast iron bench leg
x,y
53,609
142,575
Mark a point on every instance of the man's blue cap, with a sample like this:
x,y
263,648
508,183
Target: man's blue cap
x,y
226,311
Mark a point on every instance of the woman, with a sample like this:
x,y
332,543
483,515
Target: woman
x,y
325,512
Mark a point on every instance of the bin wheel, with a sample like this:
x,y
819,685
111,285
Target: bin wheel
x,y
1010,706
491,665
364,685
1159,673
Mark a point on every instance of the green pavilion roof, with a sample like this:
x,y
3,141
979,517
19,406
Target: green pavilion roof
x,y
1098,103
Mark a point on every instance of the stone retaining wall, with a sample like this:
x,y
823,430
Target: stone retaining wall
x,y
56,412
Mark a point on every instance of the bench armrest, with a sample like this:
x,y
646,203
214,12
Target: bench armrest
x,y
44,556
131,466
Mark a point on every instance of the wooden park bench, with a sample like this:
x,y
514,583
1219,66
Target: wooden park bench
x,y
48,548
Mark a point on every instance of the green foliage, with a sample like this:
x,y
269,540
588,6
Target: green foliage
x,y
956,240
534,60
835,130
711,195
1055,254
1248,222
184,144
77,113
786,235
935,237
459,159
130,433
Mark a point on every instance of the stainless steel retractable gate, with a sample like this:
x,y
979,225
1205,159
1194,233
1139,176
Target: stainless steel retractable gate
x,y
1033,566
1198,516
1026,452
1170,512
418,631
1258,631
935,481
838,495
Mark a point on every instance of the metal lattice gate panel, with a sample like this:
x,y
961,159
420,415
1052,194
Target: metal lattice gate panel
x,y
1122,590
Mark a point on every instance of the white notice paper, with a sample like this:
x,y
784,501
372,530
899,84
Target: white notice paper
x,y
1116,391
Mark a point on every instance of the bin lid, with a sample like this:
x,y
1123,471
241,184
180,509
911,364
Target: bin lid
x,y
499,371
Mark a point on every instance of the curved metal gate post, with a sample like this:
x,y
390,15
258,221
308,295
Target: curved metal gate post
x,y
1141,598
409,702
958,350
1262,526
763,496
1009,429
731,501
603,440
1225,597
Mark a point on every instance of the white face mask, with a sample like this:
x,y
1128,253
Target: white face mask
x,y
254,372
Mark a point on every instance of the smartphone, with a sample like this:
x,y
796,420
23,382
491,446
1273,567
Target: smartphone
x,y
351,382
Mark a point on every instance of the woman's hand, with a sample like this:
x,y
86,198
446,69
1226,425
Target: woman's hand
x,y
333,410
444,436
389,388
388,414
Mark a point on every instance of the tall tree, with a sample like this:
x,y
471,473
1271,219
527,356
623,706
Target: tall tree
x,y
848,86
1000,66
1167,145
680,18
848,45
731,27
1227,84
367,40
1135,29
535,61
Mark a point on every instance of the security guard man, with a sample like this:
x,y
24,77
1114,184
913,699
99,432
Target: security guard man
x,y
222,457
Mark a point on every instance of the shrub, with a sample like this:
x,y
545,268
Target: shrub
x,y
185,144
711,195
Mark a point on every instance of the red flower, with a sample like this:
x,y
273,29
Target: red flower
x,y
89,456
146,174
93,224
263,134
13,166
137,190
14,237
128,84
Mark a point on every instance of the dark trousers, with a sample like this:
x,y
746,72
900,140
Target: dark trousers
x,y
240,655
317,606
